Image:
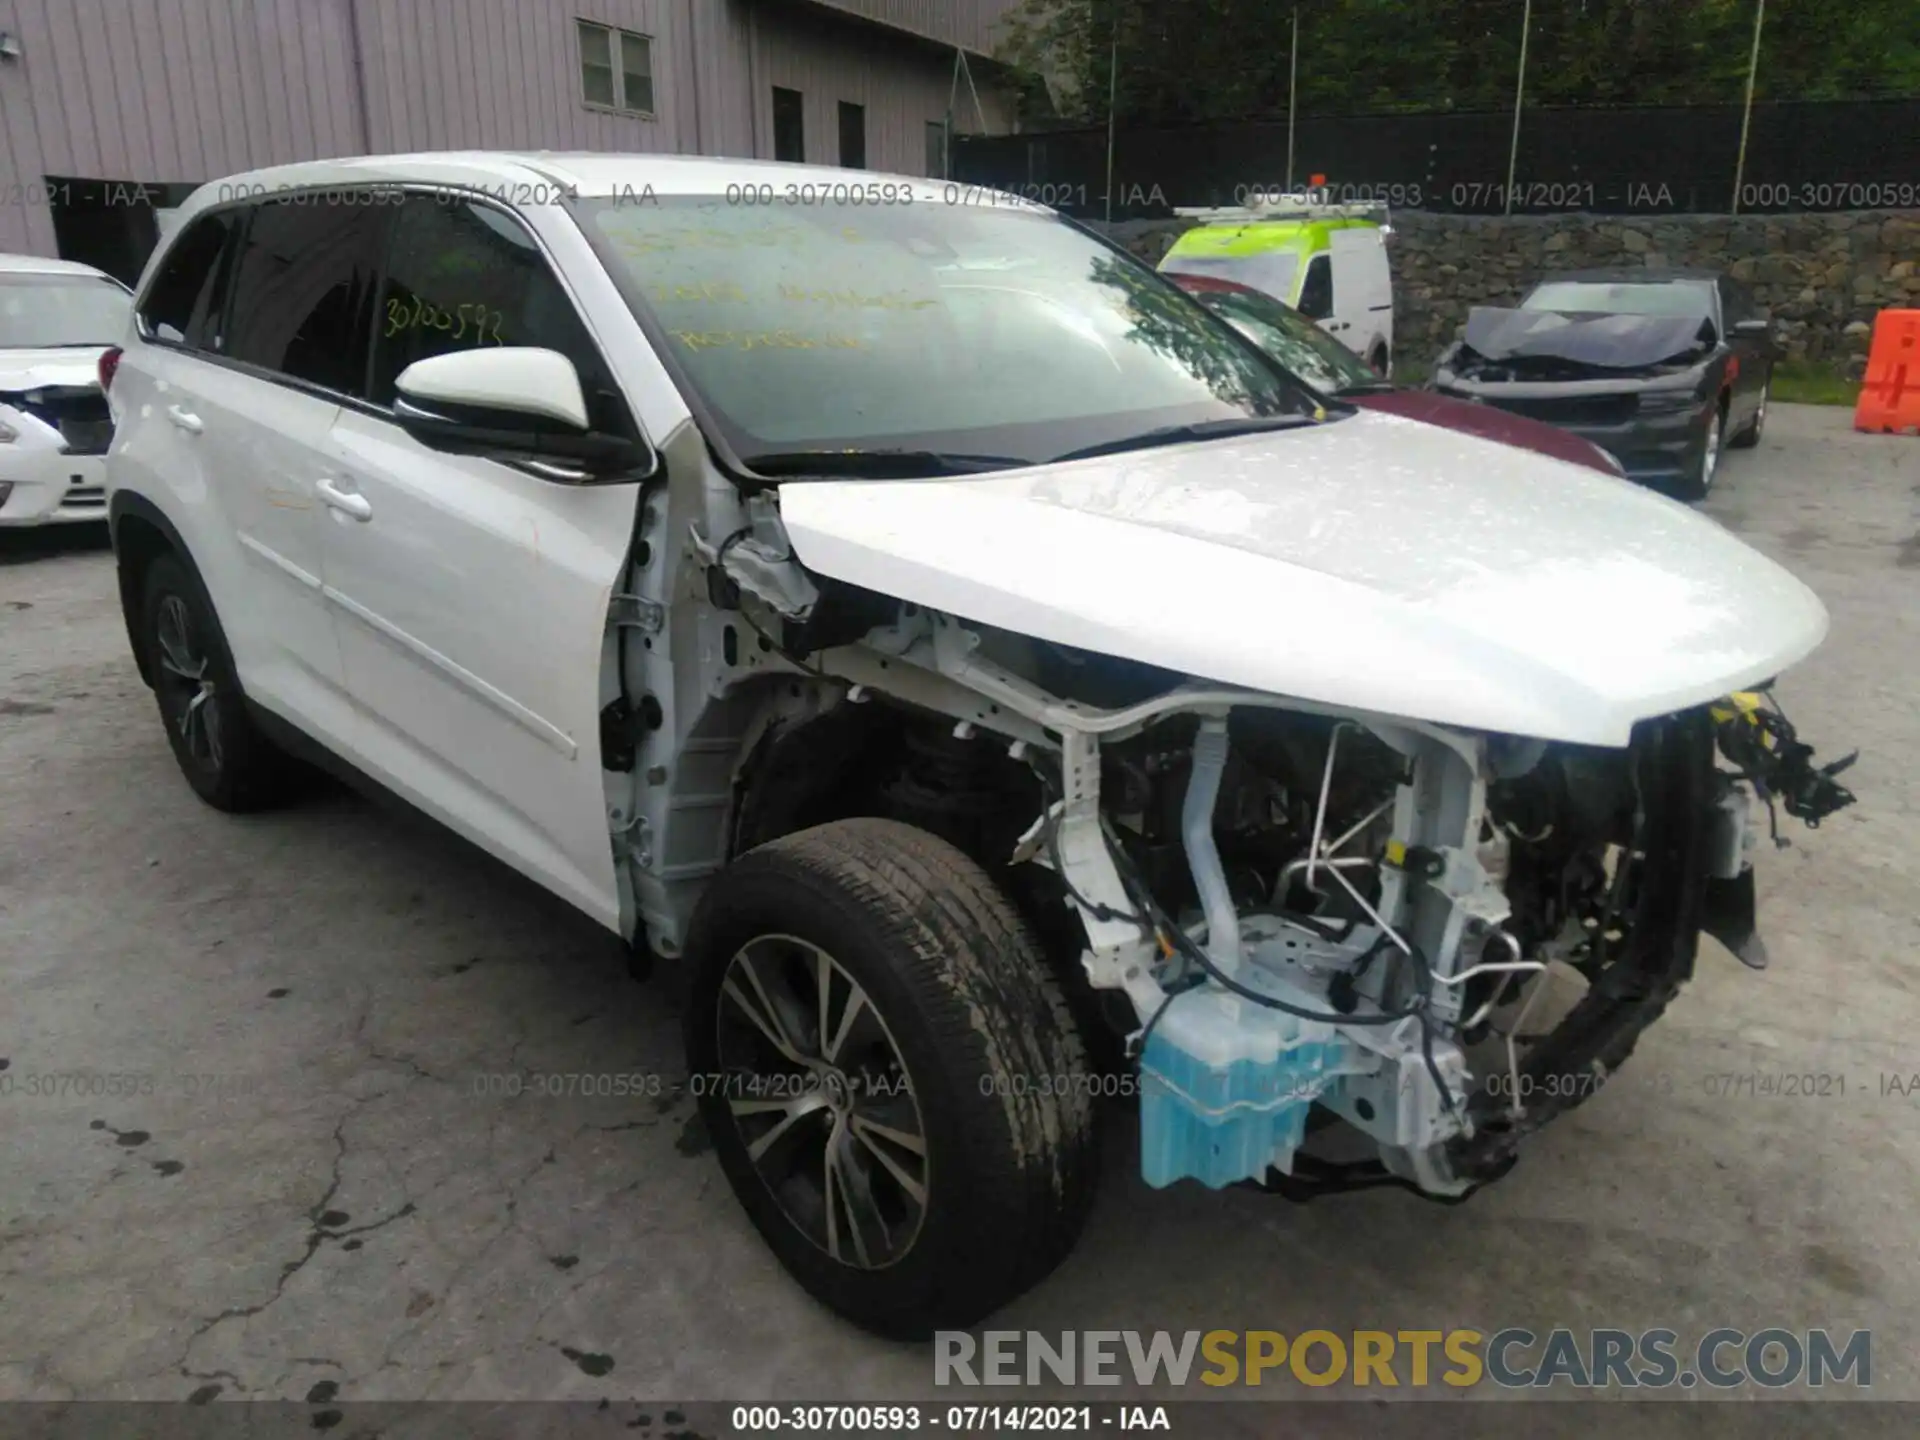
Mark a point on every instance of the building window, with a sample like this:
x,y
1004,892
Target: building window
x,y
853,135
937,149
789,130
616,69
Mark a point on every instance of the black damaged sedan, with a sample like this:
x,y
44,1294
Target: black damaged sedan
x,y
1662,368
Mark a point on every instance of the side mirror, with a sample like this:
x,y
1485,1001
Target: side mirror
x,y
519,403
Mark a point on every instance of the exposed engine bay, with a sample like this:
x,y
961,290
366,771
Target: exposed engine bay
x,y
1286,913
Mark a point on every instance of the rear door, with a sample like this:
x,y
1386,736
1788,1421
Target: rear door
x,y
176,315
293,344
1363,290
473,593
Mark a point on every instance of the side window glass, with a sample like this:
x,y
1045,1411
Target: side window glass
x,y
462,275
180,304
1316,290
302,300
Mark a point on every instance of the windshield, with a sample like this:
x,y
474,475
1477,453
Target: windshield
x,y
50,311
1685,298
1293,341
973,330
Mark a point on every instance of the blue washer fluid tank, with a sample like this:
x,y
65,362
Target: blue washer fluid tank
x,y
1226,1085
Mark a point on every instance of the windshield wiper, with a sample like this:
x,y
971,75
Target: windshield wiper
x,y
880,464
1177,434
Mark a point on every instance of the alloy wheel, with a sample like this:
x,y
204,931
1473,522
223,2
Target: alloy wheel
x,y
819,1095
186,685
1710,462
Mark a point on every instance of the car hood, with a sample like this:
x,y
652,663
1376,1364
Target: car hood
x,y
22,370
1610,342
1489,422
1370,562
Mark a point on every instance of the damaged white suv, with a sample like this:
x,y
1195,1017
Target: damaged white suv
x,y
988,677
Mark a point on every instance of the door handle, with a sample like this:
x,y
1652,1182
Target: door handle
x,y
347,502
185,419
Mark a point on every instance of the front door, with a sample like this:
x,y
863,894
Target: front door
x,y
472,593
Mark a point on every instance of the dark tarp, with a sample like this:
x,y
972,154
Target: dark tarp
x,y
1614,342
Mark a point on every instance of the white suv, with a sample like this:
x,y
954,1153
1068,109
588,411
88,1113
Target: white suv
x,y
994,681
56,320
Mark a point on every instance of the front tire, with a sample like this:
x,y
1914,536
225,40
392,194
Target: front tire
x,y
890,1074
1697,484
223,755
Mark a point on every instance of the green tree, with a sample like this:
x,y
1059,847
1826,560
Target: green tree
x,y
1228,59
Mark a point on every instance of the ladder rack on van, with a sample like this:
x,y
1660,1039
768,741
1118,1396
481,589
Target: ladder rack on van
x,y
1286,207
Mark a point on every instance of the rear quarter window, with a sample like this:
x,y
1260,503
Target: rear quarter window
x,y
181,303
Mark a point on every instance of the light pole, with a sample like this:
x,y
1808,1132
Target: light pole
x,y
1746,115
1293,92
1519,93
1113,88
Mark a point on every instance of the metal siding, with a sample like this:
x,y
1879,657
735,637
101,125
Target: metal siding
x,y
200,110
902,88
192,90
973,24
26,225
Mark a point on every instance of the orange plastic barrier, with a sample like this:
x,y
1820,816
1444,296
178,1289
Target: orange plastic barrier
x,y
1890,393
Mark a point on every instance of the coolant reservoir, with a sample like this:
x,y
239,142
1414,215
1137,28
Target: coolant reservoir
x,y
1225,1087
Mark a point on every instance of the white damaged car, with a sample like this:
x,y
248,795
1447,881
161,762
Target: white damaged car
x,y
990,681
56,320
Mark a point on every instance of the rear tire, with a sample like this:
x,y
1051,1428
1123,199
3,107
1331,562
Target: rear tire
x,y
225,758
922,1044
1750,436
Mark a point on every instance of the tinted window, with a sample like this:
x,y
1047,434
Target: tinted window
x,y
56,310
303,295
1316,290
462,275
182,303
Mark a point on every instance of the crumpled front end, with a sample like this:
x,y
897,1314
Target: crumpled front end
x,y
1638,386
1297,911
1443,939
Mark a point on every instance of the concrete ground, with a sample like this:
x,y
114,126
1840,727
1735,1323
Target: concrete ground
x,y
314,1188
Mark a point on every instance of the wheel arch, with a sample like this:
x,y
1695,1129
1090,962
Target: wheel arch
x,y
141,533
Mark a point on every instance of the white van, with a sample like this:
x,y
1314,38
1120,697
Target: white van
x,y
1329,262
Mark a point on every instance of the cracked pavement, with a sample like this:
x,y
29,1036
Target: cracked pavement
x,y
289,1167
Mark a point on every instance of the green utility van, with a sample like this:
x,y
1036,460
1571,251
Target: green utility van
x,y
1329,262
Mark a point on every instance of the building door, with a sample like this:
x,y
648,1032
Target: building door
x,y
853,135
789,125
